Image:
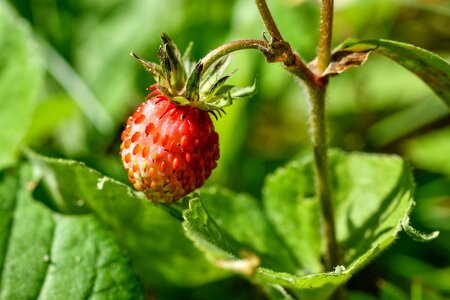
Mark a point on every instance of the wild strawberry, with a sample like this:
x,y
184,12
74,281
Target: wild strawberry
x,y
168,150
169,145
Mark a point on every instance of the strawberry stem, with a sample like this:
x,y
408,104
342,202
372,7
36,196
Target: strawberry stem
x,y
230,47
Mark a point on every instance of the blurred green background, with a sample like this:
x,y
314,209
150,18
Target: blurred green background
x,y
91,85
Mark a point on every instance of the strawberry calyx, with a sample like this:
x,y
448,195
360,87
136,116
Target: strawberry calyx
x,y
185,82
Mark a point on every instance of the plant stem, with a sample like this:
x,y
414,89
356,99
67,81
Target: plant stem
x,y
322,181
318,136
325,35
230,47
268,20
281,51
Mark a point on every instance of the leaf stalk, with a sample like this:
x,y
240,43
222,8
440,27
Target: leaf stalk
x,y
230,47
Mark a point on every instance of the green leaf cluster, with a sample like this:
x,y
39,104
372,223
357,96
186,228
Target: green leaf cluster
x,y
68,231
47,255
285,232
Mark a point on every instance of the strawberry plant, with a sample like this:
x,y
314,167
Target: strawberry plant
x,y
165,205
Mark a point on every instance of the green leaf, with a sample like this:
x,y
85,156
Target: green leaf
x,y
290,205
429,67
246,228
153,235
193,82
219,245
176,62
45,255
372,195
20,77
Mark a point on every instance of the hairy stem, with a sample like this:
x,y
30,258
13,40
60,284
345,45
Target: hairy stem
x,y
281,51
322,180
299,69
318,136
326,31
268,20
228,48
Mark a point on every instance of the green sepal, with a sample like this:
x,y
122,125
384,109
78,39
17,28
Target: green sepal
x,y
193,83
215,94
220,95
151,67
188,83
216,103
164,90
218,85
240,93
180,100
173,56
215,71
165,66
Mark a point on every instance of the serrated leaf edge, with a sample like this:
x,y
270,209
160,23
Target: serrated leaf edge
x,y
415,234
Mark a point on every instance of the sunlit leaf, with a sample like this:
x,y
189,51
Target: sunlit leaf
x,y
372,195
247,229
152,234
45,255
417,235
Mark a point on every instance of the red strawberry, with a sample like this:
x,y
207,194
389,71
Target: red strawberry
x,y
169,146
168,150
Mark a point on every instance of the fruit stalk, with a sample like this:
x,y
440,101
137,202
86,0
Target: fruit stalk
x,y
230,47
